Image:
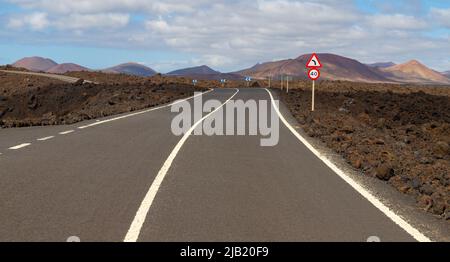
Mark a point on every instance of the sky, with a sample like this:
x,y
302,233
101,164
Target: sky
x,y
226,35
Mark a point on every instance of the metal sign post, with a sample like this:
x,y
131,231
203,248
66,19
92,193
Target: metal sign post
x,y
312,103
281,82
313,74
248,79
287,84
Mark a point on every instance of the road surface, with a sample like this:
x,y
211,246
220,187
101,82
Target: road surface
x,y
63,78
95,183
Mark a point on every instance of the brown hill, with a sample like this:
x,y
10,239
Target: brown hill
x,y
382,64
131,69
334,68
447,74
67,67
198,70
35,63
414,72
204,73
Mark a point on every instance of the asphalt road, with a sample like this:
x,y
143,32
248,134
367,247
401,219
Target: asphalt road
x,y
91,182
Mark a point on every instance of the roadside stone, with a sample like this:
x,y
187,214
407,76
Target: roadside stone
x,y
344,110
32,102
415,183
426,161
438,204
364,117
381,123
425,201
379,141
79,82
3,112
426,189
441,149
356,163
384,172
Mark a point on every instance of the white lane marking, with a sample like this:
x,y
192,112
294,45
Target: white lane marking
x,y
45,138
20,146
141,214
66,132
141,112
416,234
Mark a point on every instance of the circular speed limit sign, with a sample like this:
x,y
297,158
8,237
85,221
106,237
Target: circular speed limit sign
x,y
314,74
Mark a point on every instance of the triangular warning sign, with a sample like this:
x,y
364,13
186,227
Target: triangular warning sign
x,y
314,62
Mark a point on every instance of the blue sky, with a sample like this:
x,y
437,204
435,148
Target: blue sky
x,y
227,35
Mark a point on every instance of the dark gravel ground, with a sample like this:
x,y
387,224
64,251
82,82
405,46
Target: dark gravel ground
x,y
402,137
62,103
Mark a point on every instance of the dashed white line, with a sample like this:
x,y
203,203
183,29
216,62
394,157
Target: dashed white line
x,y
45,138
66,132
141,112
20,146
141,214
416,234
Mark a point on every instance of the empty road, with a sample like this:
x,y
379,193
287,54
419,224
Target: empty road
x,y
63,78
129,178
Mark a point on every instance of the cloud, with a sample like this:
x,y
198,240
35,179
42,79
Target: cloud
x,y
36,21
107,6
397,21
250,28
39,21
441,16
213,60
233,34
89,21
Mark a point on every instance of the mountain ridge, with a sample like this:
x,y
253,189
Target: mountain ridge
x,y
415,72
131,68
35,63
335,67
203,69
66,67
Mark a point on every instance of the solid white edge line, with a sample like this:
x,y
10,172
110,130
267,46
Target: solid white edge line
x,y
20,146
66,132
397,219
142,112
45,138
141,214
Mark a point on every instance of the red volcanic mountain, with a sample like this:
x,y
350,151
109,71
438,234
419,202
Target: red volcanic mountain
x,y
40,64
382,64
35,63
415,72
447,74
204,72
334,68
131,69
67,67
342,68
198,70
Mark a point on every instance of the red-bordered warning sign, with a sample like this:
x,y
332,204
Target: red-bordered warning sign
x,y
314,62
314,74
